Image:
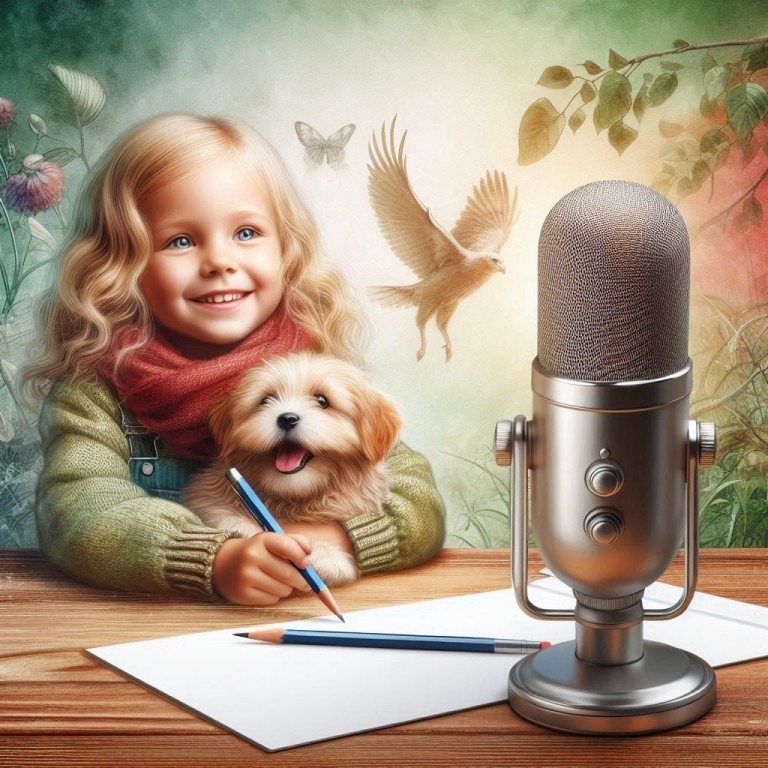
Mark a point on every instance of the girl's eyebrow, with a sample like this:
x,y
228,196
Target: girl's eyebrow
x,y
250,213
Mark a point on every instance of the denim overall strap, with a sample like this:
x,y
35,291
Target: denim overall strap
x,y
158,474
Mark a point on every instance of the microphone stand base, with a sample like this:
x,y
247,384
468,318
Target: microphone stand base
x,y
666,688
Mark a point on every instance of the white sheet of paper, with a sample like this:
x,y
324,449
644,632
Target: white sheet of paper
x,y
279,696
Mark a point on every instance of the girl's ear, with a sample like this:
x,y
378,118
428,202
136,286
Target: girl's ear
x,y
379,424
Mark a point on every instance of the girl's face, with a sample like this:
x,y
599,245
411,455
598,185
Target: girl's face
x,y
215,273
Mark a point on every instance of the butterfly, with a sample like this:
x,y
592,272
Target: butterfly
x,y
317,147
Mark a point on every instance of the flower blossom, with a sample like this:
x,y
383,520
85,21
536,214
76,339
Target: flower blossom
x,y
7,113
37,187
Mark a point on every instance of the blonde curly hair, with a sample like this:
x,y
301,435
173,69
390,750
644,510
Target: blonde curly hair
x,y
96,297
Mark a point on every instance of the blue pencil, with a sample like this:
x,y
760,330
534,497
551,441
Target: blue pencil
x,y
265,519
398,641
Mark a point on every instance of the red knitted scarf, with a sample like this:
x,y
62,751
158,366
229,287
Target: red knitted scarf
x,y
171,394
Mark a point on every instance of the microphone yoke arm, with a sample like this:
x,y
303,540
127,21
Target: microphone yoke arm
x,y
512,449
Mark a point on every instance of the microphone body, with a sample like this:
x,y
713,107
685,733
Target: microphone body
x,y
608,479
608,465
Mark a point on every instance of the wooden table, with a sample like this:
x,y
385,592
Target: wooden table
x,y
59,708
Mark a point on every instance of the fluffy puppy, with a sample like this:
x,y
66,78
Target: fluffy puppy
x,y
310,435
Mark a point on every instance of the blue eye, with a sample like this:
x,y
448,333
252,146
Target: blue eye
x,y
246,233
182,241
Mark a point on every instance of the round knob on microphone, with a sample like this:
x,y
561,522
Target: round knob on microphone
x,y
603,526
502,443
604,478
707,444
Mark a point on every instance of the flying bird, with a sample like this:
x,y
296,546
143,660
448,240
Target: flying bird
x,y
450,265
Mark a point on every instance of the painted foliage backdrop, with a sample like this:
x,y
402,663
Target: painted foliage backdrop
x,y
550,94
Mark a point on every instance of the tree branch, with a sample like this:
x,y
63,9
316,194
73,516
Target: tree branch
x,y
703,47
724,213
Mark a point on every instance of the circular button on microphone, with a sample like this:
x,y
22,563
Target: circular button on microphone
x,y
604,478
603,526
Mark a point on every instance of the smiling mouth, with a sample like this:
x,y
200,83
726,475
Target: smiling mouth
x,y
291,458
220,298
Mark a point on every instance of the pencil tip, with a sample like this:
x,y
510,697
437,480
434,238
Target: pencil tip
x,y
325,595
240,634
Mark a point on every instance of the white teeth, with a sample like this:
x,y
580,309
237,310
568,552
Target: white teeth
x,y
221,298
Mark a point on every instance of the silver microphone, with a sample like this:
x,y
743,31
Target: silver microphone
x,y
608,465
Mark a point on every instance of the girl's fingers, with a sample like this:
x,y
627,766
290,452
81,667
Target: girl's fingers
x,y
272,555
303,542
258,579
287,547
282,571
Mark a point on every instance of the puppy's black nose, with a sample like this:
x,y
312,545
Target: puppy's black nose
x,y
287,421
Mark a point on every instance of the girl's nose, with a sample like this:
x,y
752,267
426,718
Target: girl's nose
x,y
216,259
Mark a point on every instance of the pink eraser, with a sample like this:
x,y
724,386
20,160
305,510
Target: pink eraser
x,y
546,644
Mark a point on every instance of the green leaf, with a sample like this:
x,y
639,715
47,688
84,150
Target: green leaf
x,y
715,82
620,136
684,187
588,92
576,120
707,62
7,431
714,111
85,93
663,87
758,57
640,104
715,145
675,154
663,181
614,100
61,155
753,210
671,66
700,173
556,77
592,68
616,60
540,130
751,50
670,130
746,105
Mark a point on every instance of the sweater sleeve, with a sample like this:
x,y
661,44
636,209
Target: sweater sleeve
x,y
94,523
411,529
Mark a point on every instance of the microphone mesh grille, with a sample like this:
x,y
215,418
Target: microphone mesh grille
x,y
614,274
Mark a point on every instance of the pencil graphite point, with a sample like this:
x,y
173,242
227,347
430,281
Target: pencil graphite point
x,y
267,635
325,595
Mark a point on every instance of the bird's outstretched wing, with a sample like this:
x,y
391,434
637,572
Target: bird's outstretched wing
x,y
412,233
488,216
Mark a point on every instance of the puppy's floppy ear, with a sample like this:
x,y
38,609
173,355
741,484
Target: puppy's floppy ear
x,y
221,422
379,423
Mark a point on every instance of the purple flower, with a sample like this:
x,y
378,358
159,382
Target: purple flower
x,y
7,113
38,186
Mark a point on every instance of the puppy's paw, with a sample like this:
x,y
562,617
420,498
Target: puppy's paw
x,y
333,564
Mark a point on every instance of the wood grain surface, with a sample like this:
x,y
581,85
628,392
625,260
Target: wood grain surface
x,y
59,708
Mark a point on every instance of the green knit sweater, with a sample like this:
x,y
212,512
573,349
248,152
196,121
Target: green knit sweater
x,y
96,525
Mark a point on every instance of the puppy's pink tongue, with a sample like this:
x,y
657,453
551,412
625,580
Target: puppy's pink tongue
x,y
290,458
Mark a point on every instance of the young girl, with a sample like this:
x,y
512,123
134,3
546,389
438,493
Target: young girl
x,y
191,258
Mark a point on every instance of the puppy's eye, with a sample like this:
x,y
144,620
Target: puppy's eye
x,y
267,400
322,401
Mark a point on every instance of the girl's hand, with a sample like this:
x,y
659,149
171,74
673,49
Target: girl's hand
x,y
258,570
